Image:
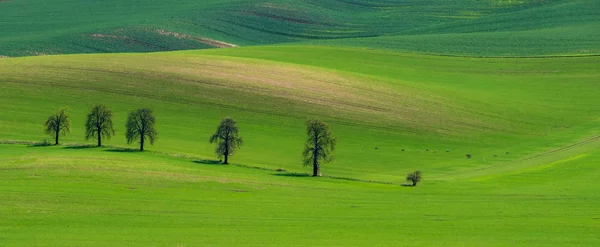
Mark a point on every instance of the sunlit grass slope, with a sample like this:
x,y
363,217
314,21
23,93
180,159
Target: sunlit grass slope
x,y
466,27
57,196
530,124
377,103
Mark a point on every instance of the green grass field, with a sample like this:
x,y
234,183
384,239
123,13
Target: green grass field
x,y
466,27
95,197
404,85
543,111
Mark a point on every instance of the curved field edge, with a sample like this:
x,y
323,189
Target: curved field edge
x,y
377,102
531,43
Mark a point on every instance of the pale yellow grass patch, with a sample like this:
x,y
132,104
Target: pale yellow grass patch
x,y
345,95
324,88
101,35
207,41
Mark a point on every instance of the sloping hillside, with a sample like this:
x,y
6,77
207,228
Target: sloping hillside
x,y
467,27
530,124
378,103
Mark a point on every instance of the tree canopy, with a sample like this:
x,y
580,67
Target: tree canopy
x,y
414,177
140,124
227,139
58,124
319,146
99,124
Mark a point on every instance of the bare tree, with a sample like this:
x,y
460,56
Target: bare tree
x,y
414,177
99,123
319,146
140,124
227,138
58,124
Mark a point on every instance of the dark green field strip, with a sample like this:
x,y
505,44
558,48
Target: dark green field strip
x,y
480,28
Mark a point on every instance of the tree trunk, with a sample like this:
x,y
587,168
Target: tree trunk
x,y
414,182
142,143
99,138
57,131
316,170
226,148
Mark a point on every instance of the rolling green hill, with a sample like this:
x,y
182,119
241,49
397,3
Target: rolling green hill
x,y
405,85
378,103
468,27
531,125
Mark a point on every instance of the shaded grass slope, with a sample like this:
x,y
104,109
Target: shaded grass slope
x,y
468,27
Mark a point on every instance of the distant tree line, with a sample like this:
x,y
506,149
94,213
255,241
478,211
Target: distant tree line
x,y
140,126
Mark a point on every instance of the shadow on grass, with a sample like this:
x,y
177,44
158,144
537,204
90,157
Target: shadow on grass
x,y
83,146
209,162
122,150
40,144
292,174
408,185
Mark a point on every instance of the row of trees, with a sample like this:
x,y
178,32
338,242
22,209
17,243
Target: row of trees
x,y
318,149
99,124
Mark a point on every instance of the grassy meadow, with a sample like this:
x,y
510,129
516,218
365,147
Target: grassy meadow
x,y
404,85
531,125
57,196
377,103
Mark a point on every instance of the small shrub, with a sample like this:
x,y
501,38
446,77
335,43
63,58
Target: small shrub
x,y
414,177
468,156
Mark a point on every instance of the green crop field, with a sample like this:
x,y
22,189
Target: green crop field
x,y
538,115
467,27
404,85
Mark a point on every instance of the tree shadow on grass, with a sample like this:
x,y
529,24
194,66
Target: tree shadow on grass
x,y
83,146
39,144
292,174
122,150
209,162
408,185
